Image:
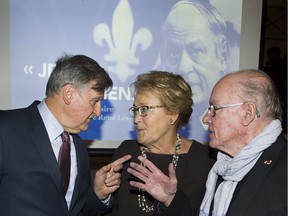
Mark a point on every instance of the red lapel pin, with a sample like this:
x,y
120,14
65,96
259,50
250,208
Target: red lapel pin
x,y
267,162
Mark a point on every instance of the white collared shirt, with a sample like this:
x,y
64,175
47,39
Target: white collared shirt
x,y
54,130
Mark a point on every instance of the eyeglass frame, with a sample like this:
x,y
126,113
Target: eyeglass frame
x,y
134,110
214,108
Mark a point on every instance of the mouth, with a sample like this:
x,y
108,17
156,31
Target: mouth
x,y
211,134
211,131
140,130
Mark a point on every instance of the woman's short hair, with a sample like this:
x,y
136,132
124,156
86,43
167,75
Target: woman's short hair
x,y
171,89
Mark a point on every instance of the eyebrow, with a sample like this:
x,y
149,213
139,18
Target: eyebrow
x,y
100,97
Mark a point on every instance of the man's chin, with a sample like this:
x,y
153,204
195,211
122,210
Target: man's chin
x,y
83,128
213,142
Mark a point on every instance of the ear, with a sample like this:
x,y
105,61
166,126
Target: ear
x,y
68,93
250,113
173,118
224,55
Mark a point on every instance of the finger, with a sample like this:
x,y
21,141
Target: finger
x,y
104,169
140,169
115,182
121,160
112,178
148,164
172,173
138,185
137,174
111,189
117,168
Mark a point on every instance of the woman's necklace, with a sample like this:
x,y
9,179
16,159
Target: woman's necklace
x,y
141,196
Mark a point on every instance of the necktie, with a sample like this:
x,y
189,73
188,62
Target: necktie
x,y
64,160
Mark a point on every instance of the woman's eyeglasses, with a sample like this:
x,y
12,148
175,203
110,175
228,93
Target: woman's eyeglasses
x,y
142,110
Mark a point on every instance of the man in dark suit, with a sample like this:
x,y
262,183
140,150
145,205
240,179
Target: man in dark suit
x,y
250,175
30,144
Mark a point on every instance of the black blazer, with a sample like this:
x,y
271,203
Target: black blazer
x,y
30,179
263,192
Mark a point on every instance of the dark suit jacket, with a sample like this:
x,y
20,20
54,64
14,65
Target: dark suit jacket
x,y
262,192
30,179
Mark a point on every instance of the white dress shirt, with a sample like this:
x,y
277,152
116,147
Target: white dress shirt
x,y
54,130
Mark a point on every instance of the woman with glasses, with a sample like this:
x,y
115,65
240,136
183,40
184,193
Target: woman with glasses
x,y
162,105
250,174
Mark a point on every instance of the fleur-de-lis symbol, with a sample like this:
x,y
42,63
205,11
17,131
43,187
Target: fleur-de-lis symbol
x,y
122,43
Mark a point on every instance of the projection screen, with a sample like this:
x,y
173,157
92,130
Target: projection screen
x,y
127,38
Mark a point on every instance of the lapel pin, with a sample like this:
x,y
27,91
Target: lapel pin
x,y
267,162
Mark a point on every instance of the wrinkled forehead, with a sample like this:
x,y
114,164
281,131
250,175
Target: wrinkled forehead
x,y
186,25
224,89
184,16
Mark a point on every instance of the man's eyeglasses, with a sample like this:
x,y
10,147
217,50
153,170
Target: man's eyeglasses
x,y
213,108
142,110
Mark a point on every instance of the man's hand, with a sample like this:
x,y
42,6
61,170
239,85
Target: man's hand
x,y
156,183
107,179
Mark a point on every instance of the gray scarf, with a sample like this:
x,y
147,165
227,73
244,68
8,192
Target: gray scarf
x,y
234,170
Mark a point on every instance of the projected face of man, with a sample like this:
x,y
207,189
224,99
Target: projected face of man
x,y
190,49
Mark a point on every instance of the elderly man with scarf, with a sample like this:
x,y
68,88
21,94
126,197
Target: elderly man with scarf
x,y
250,174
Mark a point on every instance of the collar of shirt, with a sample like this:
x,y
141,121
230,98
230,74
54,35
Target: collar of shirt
x,y
53,127
54,130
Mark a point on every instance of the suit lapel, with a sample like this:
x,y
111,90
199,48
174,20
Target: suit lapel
x,y
254,179
42,143
80,168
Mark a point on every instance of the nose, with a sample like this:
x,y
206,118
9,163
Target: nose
x,y
186,63
137,118
207,117
97,109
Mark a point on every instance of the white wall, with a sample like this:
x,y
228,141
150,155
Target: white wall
x,y
250,34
